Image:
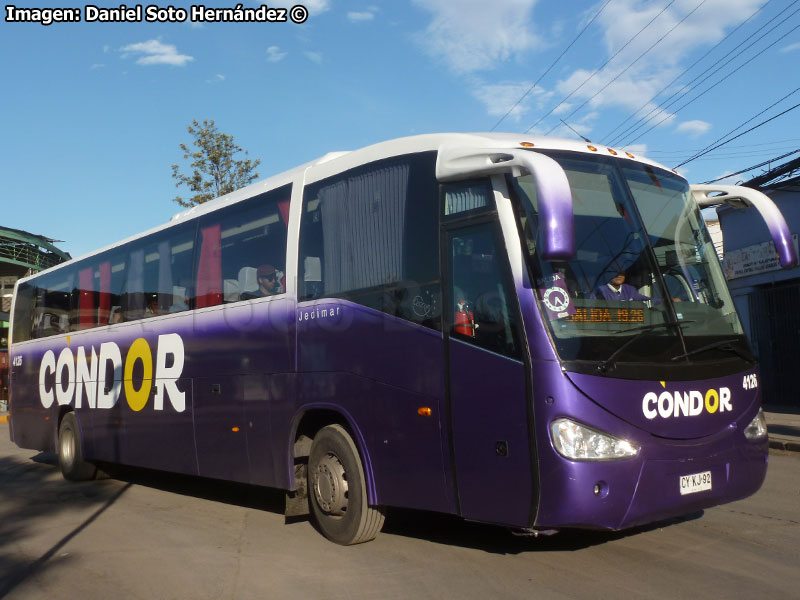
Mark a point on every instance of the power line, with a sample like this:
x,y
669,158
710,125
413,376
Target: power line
x,y
712,86
755,153
741,134
666,87
685,89
706,149
690,152
718,157
766,162
553,64
638,58
602,66
772,176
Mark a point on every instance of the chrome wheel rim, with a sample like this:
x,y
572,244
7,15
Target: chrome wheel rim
x,y
330,486
67,447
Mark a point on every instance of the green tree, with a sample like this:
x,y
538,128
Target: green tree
x,y
215,171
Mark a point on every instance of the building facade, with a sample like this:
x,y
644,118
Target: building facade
x,y
766,295
21,254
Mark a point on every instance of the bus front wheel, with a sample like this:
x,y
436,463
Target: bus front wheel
x,y
338,490
70,455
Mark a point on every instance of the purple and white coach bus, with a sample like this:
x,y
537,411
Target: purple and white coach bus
x,y
529,332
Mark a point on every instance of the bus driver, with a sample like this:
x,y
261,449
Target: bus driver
x,y
617,289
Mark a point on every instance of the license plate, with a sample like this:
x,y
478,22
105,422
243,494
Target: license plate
x,y
699,482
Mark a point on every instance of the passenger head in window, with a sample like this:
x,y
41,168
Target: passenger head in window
x,y
269,281
152,307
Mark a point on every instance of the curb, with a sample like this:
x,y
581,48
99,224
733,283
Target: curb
x,y
785,445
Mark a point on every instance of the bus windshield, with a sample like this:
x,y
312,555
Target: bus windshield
x,y
645,284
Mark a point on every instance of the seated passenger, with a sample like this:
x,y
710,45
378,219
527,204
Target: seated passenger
x,y
151,310
269,283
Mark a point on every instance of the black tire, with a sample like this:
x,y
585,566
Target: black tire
x,y
70,452
337,489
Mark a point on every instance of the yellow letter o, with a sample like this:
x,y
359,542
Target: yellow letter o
x,y
712,405
139,350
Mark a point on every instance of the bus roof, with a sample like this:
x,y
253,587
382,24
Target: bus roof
x,y
335,162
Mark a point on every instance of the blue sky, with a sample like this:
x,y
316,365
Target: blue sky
x,y
92,113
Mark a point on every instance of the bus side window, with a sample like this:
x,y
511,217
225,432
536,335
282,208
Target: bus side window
x,y
133,301
23,313
54,294
480,294
236,241
370,235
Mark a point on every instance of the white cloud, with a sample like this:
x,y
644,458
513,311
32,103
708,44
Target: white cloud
x,y
791,47
218,78
97,66
356,17
274,54
630,86
154,52
315,57
693,128
316,7
469,36
707,25
501,97
563,108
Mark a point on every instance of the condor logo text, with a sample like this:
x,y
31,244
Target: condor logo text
x,y
75,376
686,404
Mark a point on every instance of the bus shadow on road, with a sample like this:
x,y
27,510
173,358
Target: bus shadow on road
x,y
226,492
433,527
32,493
39,480
494,539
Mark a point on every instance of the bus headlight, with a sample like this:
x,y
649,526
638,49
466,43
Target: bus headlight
x,y
578,442
757,429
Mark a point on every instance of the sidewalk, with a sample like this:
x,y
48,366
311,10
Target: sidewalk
x,y
783,425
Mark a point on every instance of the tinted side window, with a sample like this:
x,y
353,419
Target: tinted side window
x,y
53,302
155,273
91,298
482,313
370,235
23,312
242,250
467,197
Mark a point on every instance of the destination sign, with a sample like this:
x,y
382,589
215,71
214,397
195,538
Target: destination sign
x,y
607,315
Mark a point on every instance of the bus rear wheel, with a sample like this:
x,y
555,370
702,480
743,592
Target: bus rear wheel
x,y
70,454
338,490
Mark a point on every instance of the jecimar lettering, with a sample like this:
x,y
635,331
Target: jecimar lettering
x,y
686,404
81,374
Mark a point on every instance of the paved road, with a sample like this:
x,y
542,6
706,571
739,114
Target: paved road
x,y
158,536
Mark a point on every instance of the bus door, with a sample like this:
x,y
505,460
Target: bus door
x,y
488,392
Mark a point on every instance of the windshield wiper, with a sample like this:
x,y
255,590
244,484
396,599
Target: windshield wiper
x,y
726,345
604,366
653,326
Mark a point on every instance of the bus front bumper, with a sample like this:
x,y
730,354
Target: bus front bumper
x,y
622,494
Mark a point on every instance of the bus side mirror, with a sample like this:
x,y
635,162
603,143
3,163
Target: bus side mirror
x,y
556,220
739,196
